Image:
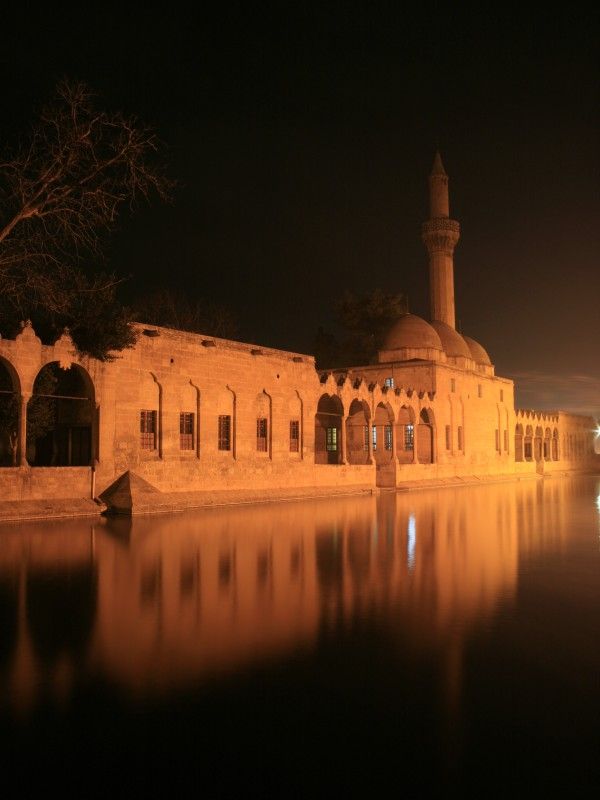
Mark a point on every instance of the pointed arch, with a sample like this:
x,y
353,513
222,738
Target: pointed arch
x,y
62,418
426,437
328,428
358,431
10,413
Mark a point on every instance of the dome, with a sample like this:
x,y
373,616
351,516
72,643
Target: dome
x,y
479,355
411,331
452,342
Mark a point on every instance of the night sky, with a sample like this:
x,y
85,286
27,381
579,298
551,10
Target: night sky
x,y
302,140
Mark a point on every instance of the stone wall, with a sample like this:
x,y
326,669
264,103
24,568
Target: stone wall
x,y
468,414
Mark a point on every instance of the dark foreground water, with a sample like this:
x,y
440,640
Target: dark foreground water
x,y
414,642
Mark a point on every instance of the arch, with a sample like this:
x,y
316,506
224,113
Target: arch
x,y
61,418
547,449
357,432
538,450
150,415
10,393
262,414
226,422
296,419
328,429
425,437
383,434
555,453
405,433
528,443
189,420
519,442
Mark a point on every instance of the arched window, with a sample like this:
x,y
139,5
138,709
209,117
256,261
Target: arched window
x,y
61,419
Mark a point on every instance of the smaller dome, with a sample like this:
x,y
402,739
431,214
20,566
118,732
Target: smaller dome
x,y
452,342
411,331
478,353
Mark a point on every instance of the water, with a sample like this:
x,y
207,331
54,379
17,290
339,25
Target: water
x,y
419,641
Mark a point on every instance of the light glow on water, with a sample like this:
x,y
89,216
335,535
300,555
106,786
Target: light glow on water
x,y
411,545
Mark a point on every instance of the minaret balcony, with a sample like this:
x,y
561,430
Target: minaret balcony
x,y
440,233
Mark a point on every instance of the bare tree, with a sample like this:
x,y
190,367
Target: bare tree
x,y
175,309
60,196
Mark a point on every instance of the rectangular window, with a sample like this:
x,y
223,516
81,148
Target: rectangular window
x,y
498,440
294,436
506,441
479,390
224,432
448,438
374,434
460,438
186,431
261,435
501,395
148,430
387,431
452,384
389,382
331,439
366,439
409,437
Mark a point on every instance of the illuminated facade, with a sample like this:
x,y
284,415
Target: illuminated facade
x,y
183,420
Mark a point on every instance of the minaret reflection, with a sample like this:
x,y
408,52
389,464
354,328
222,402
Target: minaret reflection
x,y
154,603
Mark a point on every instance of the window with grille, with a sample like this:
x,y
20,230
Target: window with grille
x,y
332,434
224,432
460,438
389,382
294,436
148,430
409,437
186,431
374,435
387,435
366,439
448,438
261,435
498,440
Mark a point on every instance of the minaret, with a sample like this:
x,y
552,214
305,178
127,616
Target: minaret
x,y
440,235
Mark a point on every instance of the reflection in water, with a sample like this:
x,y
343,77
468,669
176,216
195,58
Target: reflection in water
x,y
157,601
157,605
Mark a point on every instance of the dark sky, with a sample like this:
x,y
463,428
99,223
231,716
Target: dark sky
x,y
302,140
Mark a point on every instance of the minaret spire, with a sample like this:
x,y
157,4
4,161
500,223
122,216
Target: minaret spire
x,y
440,235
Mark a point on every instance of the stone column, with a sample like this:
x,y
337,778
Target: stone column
x,y
415,442
25,397
370,457
343,452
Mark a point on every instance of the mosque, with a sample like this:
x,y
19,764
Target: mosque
x,y
184,420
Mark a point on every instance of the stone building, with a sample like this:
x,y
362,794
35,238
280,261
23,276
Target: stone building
x,y
184,419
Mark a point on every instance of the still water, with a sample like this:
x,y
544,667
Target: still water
x,y
426,640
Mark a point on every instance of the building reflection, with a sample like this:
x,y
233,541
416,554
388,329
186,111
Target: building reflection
x,y
157,603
